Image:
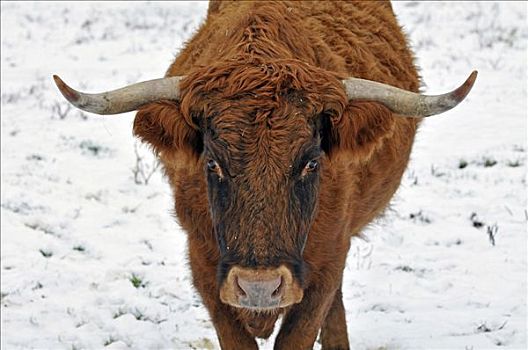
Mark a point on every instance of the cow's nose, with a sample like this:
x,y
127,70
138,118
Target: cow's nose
x,y
260,289
260,293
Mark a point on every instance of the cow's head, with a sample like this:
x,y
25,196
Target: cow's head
x,y
262,133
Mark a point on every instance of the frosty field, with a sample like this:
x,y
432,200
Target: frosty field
x,y
92,258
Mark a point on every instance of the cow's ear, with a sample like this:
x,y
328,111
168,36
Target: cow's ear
x,y
360,129
162,125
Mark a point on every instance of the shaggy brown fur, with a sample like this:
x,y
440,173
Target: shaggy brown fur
x,y
262,97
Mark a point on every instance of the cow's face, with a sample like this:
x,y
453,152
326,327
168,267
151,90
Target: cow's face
x,y
262,161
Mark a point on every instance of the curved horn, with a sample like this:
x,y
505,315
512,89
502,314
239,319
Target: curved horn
x,y
406,103
122,100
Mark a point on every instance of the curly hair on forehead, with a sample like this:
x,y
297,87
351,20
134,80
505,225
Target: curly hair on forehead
x,y
265,84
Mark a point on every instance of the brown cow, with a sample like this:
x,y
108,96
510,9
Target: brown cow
x,y
277,154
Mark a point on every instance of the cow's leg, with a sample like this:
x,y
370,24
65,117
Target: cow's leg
x,y
303,321
232,335
334,331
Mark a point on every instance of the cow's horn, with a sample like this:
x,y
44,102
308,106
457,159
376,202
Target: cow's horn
x,y
406,103
122,100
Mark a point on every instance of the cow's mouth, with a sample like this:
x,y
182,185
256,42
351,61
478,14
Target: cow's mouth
x,y
259,324
260,290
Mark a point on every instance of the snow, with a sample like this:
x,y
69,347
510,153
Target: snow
x,y
92,259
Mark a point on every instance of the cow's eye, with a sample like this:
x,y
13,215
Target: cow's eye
x,y
212,165
310,167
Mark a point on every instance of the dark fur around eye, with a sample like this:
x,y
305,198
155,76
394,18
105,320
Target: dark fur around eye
x,y
218,190
305,194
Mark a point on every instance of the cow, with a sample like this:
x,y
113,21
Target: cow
x,y
283,128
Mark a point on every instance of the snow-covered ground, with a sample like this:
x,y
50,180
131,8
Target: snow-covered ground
x,y
92,258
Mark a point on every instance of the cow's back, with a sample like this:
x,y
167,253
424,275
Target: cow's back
x,y
357,39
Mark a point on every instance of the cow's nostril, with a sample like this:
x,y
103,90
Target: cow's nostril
x,y
240,291
278,290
